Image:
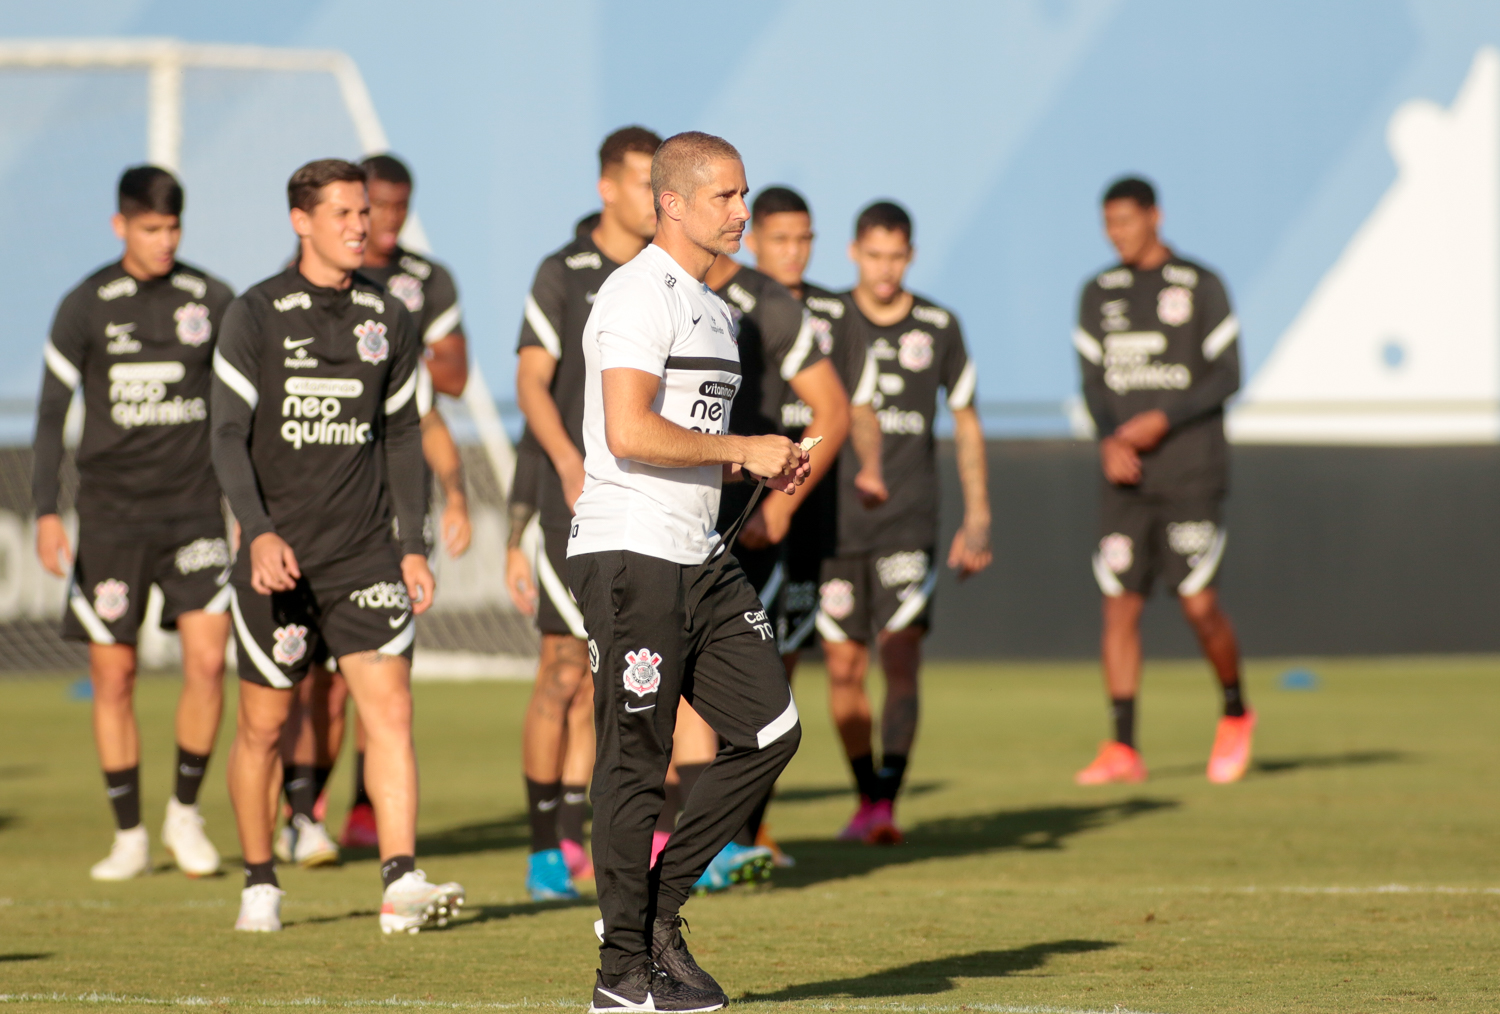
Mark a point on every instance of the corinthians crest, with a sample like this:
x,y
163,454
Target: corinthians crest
x,y
641,675
291,643
193,327
111,599
372,347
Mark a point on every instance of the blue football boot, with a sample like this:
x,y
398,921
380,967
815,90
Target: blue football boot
x,y
736,864
547,877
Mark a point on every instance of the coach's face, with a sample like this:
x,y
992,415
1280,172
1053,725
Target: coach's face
x,y
1131,228
337,226
715,217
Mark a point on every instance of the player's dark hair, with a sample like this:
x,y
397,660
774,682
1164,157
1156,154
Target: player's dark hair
x,y
777,201
1131,188
386,168
623,141
149,189
305,189
679,163
883,215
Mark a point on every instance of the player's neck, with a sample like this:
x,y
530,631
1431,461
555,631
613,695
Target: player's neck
x,y
322,274
139,271
375,259
1152,257
615,241
883,314
724,268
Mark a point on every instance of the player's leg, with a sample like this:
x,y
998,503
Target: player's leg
x,y
306,766
843,623
204,634
1195,540
695,745
577,769
359,826
1123,564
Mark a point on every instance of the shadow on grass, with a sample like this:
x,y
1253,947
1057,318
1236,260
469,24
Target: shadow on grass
x,y
936,976
467,916
9,771
818,793
487,836
25,956
1287,765
1040,827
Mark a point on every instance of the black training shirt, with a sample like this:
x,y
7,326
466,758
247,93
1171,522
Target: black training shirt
x,y
143,353
838,339
426,288
316,435
777,340
1165,339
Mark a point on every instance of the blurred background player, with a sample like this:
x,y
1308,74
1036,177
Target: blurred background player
x,y
1158,346
781,357
557,750
316,376
314,733
880,584
139,336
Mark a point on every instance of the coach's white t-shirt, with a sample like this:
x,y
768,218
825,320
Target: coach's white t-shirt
x,y
653,316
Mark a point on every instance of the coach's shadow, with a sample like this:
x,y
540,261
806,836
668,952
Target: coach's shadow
x,y
1035,828
923,978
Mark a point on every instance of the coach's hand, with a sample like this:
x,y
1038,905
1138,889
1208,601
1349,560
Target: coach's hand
x,y
273,565
518,581
771,457
52,545
1122,465
420,585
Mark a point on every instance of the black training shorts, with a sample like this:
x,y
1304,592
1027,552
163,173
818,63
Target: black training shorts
x,y
1180,540
864,594
556,612
116,567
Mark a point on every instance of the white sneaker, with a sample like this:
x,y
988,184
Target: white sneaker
x,y
183,836
313,846
285,844
260,909
129,856
412,903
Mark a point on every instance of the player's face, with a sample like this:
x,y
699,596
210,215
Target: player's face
x,y
626,193
717,214
782,244
1131,228
388,206
336,229
150,242
882,257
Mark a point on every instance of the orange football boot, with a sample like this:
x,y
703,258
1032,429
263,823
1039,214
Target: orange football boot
x,y
1116,763
1231,755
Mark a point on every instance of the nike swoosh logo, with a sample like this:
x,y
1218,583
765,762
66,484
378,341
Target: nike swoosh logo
x,y
115,330
648,1005
634,710
697,319
548,805
287,343
396,621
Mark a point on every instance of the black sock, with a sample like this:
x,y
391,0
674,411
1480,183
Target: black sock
x,y
320,780
190,769
570,814
1122,710
124,791
301,788
396,867
892,774
689,774
864,776
261,873
361,797
751,830
1234,700
542,801
666,821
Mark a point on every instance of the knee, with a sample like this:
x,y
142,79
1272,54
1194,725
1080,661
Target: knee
x,y
204,666
260,734
114,686
1201,610
1122,612
846,674
389,716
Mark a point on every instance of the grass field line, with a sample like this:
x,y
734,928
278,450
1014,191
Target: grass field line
x,y
396,1002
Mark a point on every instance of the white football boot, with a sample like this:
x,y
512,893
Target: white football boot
x,y
129,856
313,845
183,836
260,909
412,903
285,844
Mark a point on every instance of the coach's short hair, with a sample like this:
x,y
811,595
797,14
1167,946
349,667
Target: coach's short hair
x,y
777,201
305,189
386,168
679,163
149,189
623,141
1131,188
883,215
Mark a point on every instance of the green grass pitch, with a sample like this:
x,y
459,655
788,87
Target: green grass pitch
x,y
1354,869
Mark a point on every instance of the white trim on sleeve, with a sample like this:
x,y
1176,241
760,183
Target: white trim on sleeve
x,y
962,393
424,389
1219,338
864,391
1088,346
60,367
397,401
443,325
543,327
236,382
792,364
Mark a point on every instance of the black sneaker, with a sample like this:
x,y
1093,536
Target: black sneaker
x,y
645,988
672,956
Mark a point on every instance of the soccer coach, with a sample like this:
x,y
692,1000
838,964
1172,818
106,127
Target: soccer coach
x,y
669,614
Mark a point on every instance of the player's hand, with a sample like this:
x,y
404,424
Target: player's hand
x,y
1122,465
273,565
871,488
772,457
572,475
52,545
753,535
970,552
456,530
518,581
1144,430
421,586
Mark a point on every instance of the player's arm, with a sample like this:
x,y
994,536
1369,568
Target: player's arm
x,y
864,434
444,460
447,350
403,462
62,372
1120,461
970,552
232,401
523,497
822,391
633,430
538,352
